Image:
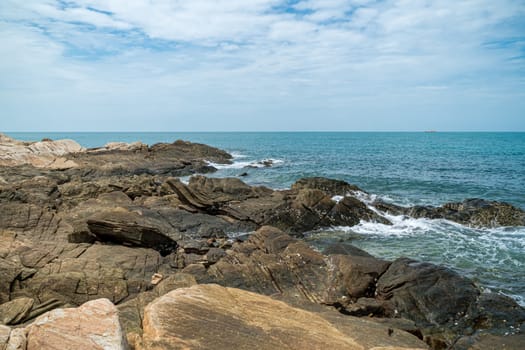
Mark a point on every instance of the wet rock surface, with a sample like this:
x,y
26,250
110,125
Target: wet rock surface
x,y
472,212
120,225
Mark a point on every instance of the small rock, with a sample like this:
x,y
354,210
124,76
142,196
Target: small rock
x,y
156,278
15,311
4,336
18,340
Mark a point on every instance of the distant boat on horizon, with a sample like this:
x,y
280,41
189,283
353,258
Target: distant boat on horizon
x,y
430,131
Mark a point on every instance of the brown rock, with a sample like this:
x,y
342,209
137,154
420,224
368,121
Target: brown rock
x,y
4,336
17,339
100,271
41,154
156,278
94,325
214,317
271,262
15,311
330,186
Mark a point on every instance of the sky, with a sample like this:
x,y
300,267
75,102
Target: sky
x,y
262,65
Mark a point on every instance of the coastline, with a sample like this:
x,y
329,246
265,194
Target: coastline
x,y
127,198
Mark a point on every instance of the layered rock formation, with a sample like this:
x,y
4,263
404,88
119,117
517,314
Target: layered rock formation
x,y
120,225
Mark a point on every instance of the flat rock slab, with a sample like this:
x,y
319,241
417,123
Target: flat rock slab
x,y
215,317
93,326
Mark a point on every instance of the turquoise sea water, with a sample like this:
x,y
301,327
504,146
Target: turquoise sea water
x,y
404,168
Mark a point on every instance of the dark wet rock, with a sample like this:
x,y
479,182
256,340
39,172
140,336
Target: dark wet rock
x,y
350,207
265,163
352,277
491,341
330,186
180,158
426,293
498,312
365,307
345,249
444,304
243,174
225,189
479,212
471,212
273,263
295,211
132,228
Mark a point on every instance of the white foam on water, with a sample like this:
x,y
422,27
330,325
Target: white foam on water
x,y
248,164
492,256
337,199
185,179
234,165
401,226
237,155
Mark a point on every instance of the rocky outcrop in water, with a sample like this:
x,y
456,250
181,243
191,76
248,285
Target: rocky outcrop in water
x,y
472,212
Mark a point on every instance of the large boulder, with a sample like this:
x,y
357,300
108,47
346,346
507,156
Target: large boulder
x,y
134,228
215,317
93,326
76,273
426,293
443,304
330,186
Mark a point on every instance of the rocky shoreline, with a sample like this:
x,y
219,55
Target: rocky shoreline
x,y
113,236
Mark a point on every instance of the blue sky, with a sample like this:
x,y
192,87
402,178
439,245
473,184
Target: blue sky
x,y
262,65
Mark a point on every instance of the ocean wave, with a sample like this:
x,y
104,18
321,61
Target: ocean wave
x,y
491,257
238,155
264,163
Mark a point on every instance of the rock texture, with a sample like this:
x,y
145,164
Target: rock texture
x,y
44,154
94,325
472,212
214,317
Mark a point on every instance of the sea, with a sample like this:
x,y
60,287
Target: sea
x,y
406,168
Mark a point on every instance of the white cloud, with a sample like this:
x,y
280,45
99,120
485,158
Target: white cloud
x,y
236,57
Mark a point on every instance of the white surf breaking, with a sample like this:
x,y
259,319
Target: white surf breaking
x,y
264,163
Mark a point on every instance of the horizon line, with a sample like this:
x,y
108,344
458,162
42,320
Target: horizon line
x,y
259,131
